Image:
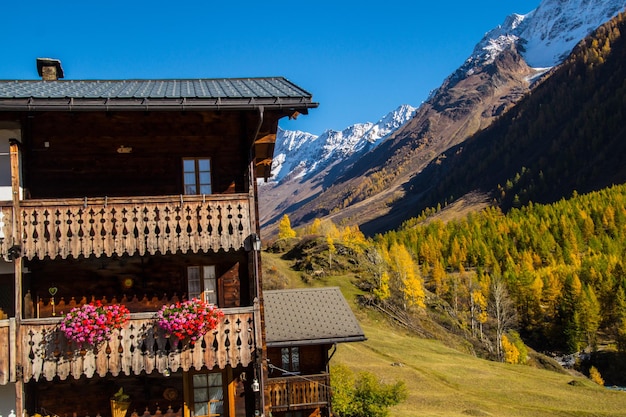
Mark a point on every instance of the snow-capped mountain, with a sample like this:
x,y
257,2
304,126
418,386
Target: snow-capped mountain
x,y
500,71
547,34
299,154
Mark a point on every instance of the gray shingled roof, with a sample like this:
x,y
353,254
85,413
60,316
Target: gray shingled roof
x,y
236,93
309,316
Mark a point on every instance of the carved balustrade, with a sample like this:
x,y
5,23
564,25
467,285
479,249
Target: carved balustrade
x,y
298,392
135,225
138,347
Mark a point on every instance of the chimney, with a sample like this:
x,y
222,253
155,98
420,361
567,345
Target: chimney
x,y
49,69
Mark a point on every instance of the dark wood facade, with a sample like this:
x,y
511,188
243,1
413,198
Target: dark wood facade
x,y
305,389
132,154
101,210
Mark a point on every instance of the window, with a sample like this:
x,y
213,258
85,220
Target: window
x,y
290,359
208,395
197,175
202,283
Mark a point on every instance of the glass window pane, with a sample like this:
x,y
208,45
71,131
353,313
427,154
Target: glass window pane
x,y
193,287
200,380
205,178
208,271
295,359
216,402
204,164
205,189
284,354
210,285
215,380
217,407
189,165
190,178
200,395
201,409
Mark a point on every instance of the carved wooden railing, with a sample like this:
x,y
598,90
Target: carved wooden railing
x,y
298,392
5,352
134,225
138,347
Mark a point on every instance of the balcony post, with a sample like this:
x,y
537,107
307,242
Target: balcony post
x,y
259,321
14,253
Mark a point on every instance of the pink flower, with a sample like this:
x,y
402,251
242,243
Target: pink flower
x,y
190,319
93,323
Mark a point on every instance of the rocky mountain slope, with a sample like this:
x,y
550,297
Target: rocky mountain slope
x,y
302,160
503,68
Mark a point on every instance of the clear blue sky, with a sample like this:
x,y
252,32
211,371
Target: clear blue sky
x,y
359,59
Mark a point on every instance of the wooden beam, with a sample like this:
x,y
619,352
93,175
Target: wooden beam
x,y
264,162
14,151
270,138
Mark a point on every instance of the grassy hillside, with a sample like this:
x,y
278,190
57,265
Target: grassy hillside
x,y
443,381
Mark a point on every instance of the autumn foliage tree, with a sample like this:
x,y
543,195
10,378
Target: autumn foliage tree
x,y
560,265
284,228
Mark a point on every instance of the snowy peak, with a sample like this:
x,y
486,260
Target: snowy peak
x,y
495,41
556,26
546,35
300,154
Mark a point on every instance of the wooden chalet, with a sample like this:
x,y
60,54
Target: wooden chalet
x,y
141,193
303,327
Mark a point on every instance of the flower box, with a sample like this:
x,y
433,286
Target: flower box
x,y
93,323
188,320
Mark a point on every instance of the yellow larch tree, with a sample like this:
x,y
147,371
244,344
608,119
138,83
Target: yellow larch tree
x,y
511,353
406,269
383,292
284,228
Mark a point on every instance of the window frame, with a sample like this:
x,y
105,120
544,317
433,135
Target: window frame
x,y
227,391
197,175
202,281
292,352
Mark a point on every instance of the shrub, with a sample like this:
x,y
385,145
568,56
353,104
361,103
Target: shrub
x,y
363,395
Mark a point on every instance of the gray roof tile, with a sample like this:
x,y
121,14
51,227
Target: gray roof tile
x,y
309,316
204,93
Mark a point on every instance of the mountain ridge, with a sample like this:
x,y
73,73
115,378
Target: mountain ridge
x,y
493,79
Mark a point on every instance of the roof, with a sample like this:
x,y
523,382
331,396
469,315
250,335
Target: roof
x,y
198,94
309,316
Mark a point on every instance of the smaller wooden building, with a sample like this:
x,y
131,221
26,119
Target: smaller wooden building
x,y
303,327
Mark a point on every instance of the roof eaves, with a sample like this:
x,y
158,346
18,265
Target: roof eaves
x,y
143,104
327,341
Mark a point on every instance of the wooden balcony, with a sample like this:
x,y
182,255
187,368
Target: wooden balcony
x,y
299,392
137,348
126,226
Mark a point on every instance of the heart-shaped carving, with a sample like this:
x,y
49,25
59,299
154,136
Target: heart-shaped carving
x,y
52,290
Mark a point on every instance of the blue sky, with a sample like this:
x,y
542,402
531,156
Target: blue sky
x,y
359,59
